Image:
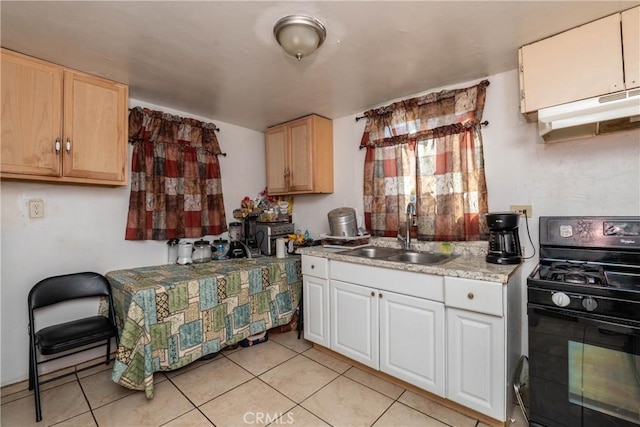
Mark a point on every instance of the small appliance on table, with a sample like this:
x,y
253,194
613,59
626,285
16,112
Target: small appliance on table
x,y
237,248
584,323
267,233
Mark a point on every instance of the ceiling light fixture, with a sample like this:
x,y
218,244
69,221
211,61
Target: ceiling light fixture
x,y
299,35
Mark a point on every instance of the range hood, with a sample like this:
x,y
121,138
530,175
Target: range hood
x,y
589,117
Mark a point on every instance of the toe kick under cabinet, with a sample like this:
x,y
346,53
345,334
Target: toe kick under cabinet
x,y
456,338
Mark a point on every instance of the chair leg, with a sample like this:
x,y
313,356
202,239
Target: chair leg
x,y
34,380
30,365
108,351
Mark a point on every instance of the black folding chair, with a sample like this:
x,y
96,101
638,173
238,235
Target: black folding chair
x,y
69,337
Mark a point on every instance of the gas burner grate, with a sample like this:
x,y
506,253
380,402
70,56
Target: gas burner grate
x,y
576,273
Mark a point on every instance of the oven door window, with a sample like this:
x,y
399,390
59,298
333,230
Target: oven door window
x,y
583,372
605,380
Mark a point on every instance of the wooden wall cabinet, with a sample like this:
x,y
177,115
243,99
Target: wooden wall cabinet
x,y
300,156
581,63
61,125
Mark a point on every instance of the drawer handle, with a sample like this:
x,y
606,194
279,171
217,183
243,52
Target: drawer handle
x,y
470,295
313,266
373,294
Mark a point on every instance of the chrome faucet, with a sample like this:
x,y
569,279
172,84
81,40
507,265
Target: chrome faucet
x,y
411,220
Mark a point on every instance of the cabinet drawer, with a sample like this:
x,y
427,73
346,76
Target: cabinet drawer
x,y
418,285
473,295
315,266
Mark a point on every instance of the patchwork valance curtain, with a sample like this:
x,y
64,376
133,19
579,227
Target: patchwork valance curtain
x,y
176,189
430,147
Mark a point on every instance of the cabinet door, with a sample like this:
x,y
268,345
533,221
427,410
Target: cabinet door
x,y
277,160
301,165
580,63
354,322
412,344
476,362
631,47
95,137
31,115
316,310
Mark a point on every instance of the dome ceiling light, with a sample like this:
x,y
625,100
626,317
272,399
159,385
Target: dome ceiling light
x,y
299,35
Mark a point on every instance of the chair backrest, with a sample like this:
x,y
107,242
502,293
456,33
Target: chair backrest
x,y
56,289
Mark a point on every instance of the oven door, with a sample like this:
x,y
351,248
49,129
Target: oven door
x,y
584,371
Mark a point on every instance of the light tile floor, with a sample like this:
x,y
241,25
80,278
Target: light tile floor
x,y
283,381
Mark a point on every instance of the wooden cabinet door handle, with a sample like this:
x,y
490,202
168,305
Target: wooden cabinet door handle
x,y
68,147
57,146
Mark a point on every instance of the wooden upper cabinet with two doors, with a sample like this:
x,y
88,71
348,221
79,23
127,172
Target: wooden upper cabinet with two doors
x,y
300,156
595,59
61,125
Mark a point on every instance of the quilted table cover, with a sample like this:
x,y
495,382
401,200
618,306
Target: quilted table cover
x,y
171,315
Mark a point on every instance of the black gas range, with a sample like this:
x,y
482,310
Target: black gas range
x,y
583,304
589,264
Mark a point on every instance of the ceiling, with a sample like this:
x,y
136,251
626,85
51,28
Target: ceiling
x,y
219,59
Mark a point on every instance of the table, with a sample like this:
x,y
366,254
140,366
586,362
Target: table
x,y
171,315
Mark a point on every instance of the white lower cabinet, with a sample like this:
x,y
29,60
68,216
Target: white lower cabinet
x,y
412,340
398,334
454,337
315,307
476,361
354,322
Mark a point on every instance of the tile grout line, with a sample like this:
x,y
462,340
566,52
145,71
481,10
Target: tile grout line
x,y
196,407
95,420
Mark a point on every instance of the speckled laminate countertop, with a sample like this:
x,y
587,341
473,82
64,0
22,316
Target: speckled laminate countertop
x,y
469,264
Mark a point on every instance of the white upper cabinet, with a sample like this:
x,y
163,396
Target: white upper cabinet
x,y
631,46
581,63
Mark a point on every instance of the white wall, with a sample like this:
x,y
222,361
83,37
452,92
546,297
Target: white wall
x,y
84,226
83,230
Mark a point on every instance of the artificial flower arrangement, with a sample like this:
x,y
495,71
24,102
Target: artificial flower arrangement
x,y
268,208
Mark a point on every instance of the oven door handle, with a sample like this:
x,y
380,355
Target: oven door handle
x,y
604,325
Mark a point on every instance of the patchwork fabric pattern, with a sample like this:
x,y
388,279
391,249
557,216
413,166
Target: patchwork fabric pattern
x,y
176,186
171,315
162,306
431,147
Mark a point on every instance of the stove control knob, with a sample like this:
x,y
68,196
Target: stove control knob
x,y
561,299
589,304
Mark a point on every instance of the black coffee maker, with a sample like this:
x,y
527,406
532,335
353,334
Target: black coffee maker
x,y
504,242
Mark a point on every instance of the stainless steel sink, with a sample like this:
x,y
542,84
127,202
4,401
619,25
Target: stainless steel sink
x,y
372,252
426,258
399,255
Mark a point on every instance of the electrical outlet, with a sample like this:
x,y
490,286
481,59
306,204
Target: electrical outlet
x,y
36,208
521,209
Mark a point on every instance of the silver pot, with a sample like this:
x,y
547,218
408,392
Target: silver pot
x,y
201,251
342,222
